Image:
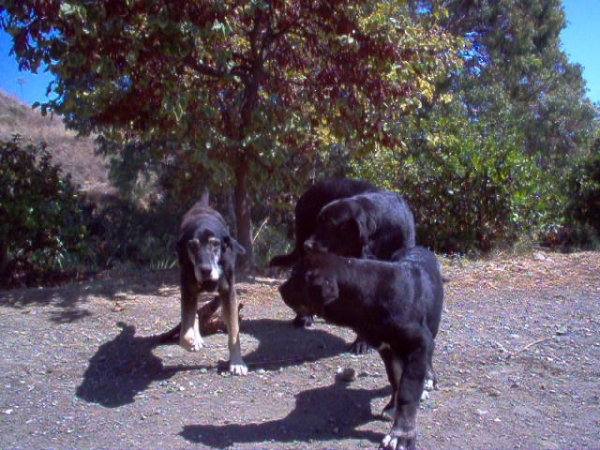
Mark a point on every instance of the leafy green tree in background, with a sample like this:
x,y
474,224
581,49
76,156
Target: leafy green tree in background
x,y
490,165
237,88
516,66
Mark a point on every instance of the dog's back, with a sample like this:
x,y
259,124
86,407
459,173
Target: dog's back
x,y
372,293
307,209
395,224
369,225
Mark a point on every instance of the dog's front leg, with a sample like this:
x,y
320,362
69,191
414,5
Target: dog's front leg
x,y
403,434
231,316
189,335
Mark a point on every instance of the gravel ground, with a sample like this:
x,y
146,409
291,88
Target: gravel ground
x,y
517,360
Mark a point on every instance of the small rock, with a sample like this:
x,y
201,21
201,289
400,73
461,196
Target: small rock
x,y
346,375
494,393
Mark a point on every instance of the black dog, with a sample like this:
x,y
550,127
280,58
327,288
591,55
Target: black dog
x,y
207,256
308,207
396,306
370,225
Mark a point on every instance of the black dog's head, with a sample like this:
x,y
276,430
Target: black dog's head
x,y
310,287
343,228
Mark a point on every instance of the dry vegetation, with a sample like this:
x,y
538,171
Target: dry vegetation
x,y
75,154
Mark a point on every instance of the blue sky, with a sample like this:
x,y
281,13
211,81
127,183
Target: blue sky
x,y
581,42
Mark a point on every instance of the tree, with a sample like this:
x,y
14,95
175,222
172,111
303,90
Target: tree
x,y
488,166
236,87
516,69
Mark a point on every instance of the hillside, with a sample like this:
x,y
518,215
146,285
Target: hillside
x,y
75,155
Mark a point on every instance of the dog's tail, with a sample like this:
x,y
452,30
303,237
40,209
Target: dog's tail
x,y
285,261
204,199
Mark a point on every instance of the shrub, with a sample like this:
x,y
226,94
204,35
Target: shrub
x,y
469,194
583,209
43,226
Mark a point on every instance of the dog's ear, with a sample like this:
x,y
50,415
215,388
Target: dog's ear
x,y
366,226
234,245
328,286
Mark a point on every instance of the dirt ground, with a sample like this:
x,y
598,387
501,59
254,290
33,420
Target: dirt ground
x,y
517,359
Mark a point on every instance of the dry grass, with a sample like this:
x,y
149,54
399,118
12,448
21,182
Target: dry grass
x,y
75,154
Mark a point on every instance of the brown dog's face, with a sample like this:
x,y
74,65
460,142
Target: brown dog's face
x,y
204,254
207,253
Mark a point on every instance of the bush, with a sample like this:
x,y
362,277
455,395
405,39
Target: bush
x,y
43,226
470,194
584,205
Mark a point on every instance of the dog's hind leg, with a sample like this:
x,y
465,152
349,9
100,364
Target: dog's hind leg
x,y
360,347
403,434
430,383
393,368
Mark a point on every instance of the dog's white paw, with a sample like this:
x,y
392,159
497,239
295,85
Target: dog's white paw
x,y
191,343
424,395
400,442
429,385
238,369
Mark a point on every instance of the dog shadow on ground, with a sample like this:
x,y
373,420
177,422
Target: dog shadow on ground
x,y
323,414
282,345
122,368
126,365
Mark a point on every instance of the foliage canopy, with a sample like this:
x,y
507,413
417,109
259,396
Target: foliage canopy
x,y
237,88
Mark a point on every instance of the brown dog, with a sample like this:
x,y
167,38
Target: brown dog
x,y
207,255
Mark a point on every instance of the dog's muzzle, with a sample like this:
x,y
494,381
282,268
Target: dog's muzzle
x,y
312,246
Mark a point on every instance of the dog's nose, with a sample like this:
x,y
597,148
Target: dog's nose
x,y
312,246
205,271
309,245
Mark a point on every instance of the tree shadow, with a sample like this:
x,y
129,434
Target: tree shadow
x,y
110,284
115,285
323,414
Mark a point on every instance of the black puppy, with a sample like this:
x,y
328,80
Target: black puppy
x,y
207,256
370,225
308,207
396,306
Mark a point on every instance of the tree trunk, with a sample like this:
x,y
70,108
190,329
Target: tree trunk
x,y
242,214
